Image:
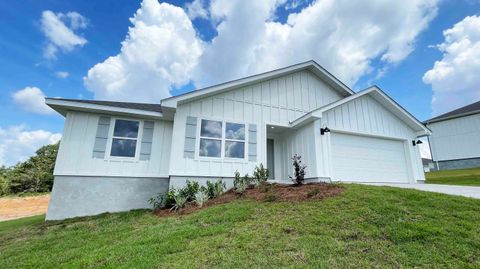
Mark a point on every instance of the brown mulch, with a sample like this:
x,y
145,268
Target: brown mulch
x,y
265,193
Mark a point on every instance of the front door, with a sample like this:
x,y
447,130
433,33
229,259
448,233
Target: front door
x,y
270,159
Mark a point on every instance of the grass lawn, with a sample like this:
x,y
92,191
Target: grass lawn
x,y
467,177
365,226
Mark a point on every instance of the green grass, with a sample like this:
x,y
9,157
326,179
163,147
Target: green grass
x,y
366,226
11,225
467,177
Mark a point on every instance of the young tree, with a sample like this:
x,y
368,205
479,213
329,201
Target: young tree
x,y
36,173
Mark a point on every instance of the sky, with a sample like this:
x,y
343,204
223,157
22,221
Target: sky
x,y
424,54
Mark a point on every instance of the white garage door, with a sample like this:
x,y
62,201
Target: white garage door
x,y
368,159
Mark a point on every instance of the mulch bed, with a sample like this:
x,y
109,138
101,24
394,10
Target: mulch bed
x,y
265,193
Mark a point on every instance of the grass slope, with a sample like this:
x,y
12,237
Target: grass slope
x,y
467,177
365,226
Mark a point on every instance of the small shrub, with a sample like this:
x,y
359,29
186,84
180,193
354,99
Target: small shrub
x,y
180,201
270,197
298,170
215,189
164,200
201,197
313,192
260,175
190,190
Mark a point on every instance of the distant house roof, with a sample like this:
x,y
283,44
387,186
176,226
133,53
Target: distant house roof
x,y
63,105
460,112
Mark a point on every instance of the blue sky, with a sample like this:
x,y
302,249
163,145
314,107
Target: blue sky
x,y
225,41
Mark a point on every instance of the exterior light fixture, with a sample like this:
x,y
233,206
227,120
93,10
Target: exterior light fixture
x,y
418,142
324,130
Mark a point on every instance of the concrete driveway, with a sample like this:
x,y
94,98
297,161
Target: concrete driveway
x,y
466,191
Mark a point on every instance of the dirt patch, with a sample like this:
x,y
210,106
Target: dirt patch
x,y
266,193
18,207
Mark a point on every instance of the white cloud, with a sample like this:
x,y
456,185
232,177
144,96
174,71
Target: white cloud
x,y
343,36
17,143
160,50
455,79
62,74
59,30
31,99
197,9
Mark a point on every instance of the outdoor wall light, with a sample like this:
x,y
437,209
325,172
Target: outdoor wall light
x,y
418,142
324,130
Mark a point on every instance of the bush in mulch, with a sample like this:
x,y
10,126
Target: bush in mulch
x,y
265,193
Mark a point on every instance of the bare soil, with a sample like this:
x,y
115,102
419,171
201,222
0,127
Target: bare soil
x,y
19,207
265,193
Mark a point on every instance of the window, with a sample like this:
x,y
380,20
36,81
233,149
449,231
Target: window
x,y
210,138
124,141
213,137
234,140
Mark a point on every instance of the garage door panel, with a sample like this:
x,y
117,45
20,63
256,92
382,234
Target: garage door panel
x,y
368,159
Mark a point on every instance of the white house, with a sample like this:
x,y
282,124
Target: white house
x,y
114,156
455,142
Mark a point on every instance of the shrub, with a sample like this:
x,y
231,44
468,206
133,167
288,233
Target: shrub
x,y
313,192
260,174
190,190
4,182
164,200
215,189
180,201
298,170
201,197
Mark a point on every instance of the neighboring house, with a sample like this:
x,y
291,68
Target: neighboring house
x,y
114,156
427,165
455,142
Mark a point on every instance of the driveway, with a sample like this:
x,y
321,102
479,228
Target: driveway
x,y
466,191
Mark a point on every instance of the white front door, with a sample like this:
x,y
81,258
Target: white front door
x,y
357,158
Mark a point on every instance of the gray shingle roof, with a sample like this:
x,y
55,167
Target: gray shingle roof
x,y
140,106
472,108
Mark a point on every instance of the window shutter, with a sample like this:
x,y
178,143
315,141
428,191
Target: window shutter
x,y
190,137
101,137
252,142
147,138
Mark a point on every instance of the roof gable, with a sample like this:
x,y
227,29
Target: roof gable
x,y
460,112
378,95
216,89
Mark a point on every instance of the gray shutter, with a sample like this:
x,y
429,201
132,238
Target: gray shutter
x,y
190,137
252,142
101,137
147,138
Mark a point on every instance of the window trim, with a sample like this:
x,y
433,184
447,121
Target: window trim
x,y
111,137
223,139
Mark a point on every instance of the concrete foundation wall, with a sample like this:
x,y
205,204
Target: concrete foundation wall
x,y
458,164
74,196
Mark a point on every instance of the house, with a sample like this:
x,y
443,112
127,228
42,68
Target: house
x,y
455,142
427,165
114,156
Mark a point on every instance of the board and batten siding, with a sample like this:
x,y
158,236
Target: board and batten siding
x,y
75,152
457,138
302,142
366,116
276,101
